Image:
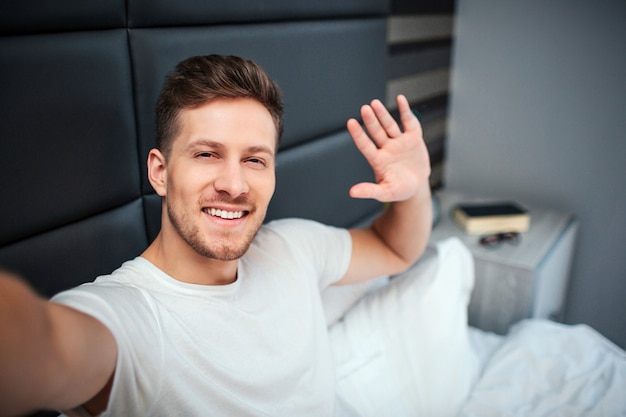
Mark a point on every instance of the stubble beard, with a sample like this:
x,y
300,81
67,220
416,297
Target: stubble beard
x,y
227,247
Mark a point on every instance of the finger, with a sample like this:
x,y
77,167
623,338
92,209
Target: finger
x,y
407,117
374,128
360,138
385,119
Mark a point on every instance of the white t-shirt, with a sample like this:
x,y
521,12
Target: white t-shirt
x,y
256,347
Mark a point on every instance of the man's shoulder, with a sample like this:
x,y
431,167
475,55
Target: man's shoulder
x,y
120,281
296,230
129,271
289,222
115,297
296,224
300,234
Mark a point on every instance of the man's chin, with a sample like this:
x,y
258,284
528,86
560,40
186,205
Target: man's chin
x,y
226,252
228,256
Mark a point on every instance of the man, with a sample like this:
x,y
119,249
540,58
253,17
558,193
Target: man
x,y
220,315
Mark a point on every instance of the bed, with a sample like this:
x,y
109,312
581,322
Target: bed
x,y
77,124
403,348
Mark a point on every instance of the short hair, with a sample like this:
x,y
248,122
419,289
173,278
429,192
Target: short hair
x,y
200,79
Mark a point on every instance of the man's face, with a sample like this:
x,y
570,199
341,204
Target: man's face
x,y
220,176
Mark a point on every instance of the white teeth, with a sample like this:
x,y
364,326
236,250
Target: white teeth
x,y
225,214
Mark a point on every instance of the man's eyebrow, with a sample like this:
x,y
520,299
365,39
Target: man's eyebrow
x,y
260,149
204,142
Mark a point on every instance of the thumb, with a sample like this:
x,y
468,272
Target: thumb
x,y
365,190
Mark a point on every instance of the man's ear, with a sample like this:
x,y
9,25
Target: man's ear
x,y
157,171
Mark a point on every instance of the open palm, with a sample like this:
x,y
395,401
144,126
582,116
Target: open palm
x,y
398,157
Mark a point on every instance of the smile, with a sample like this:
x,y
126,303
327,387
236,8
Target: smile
x,y
224,214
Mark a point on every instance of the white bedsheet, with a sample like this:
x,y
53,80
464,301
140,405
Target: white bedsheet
x,y
543,368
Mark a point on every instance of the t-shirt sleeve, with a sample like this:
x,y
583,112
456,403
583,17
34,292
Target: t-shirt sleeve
x,y
328,249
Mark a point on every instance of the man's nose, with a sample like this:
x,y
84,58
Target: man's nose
x,y
232,179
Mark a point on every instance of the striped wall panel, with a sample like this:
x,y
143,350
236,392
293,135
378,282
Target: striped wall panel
x,y
419,39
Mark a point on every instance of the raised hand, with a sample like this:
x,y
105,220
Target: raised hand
x,y
398,157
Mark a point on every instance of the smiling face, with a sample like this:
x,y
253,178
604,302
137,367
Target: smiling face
x,y
218,179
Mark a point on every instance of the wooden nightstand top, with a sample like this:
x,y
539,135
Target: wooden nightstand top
x,y
546,226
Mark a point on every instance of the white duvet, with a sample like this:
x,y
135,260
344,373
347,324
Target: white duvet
x,y
545,369
405,349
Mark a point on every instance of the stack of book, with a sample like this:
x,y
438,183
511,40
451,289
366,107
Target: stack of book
x,y
493,217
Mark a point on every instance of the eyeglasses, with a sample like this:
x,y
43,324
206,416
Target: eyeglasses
x,y
495,240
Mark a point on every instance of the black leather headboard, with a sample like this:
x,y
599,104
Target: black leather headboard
x,y
80,83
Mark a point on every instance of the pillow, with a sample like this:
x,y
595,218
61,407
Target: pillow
x,y
337,299
404,349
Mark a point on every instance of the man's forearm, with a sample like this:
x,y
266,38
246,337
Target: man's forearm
x,y
401,164
51,356
405,226
24,328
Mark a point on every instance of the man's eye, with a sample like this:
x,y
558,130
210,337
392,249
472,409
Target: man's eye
x,y
256,161
205,155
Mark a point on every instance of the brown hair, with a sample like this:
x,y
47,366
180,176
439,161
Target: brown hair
x,y
200,79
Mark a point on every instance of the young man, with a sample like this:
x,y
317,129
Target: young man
x,y
209,320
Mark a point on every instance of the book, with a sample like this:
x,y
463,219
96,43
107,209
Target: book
x,y
493,217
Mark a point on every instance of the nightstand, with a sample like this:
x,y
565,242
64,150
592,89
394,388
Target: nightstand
x,y
513,282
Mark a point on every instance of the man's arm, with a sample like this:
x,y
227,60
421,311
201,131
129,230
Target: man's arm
x,y
401,165
51,356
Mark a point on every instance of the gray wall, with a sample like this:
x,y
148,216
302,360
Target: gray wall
x,y
538,112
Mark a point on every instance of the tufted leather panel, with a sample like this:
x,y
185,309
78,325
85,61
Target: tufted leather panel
x,y
67,131
78,252
324,170
45,16
144,13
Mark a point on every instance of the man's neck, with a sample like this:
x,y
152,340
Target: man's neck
x,y
186,265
